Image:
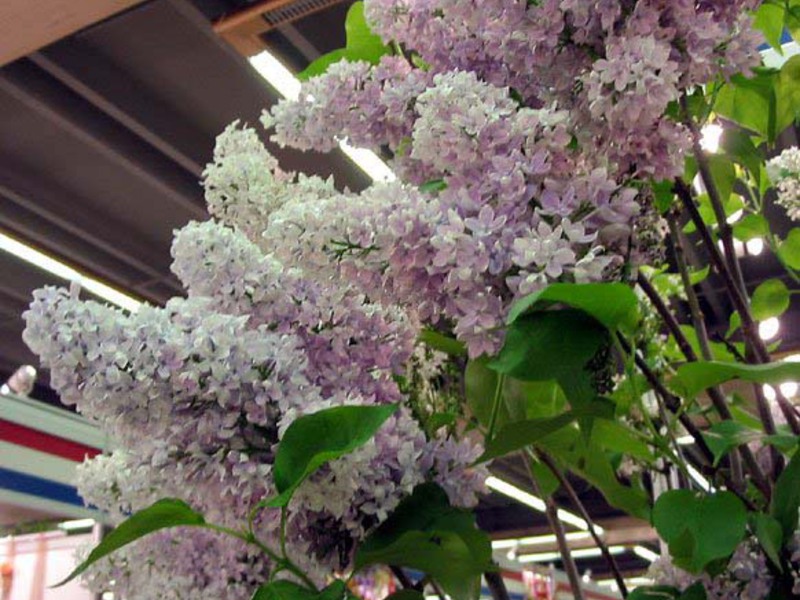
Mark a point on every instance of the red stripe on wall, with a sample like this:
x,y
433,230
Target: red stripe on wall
x,y
44,442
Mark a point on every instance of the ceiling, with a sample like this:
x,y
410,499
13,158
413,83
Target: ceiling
x,y
103,137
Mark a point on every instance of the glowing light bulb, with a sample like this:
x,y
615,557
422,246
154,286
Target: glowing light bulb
x,y
769,328
755,246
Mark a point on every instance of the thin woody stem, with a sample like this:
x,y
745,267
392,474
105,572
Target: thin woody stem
x,y
576,501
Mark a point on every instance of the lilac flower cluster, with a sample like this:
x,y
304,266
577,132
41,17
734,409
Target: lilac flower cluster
x,y
747,576
197,394
537,121
784,171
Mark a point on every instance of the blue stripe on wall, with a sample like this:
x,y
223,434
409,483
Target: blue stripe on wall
x,y
36,486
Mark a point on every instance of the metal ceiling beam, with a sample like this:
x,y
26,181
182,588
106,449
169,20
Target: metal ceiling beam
x,y
102,134
26,26
35,197
101,84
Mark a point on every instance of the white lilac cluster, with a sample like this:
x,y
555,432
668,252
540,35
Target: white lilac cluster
x,y
198,394
784,171
747,576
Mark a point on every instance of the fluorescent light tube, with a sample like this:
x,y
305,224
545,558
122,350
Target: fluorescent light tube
x,y
538,540
580,553
645,553
76,524
63,271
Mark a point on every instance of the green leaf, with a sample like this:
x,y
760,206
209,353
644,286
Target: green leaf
x,y
723,437
433,186
362,45
520,434
750,102
699,276
693,378
428,534
696,591
480,386
723,173
613,304
738,145
789,249
442,343
787,92
288,590
786,497
750,227
313,440
161,515
664,195
770,299
553,345
770,536
613,435
699,529
654,592
769,20
734,323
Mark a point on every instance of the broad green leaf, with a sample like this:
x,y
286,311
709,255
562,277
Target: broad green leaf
x,y
723,437
734,323
546,481
480,387
161,515
442,343
770,299
749,227
362,45
554,345
750,102
613,304
438,420
789,249
519,434
289,590
769,20
428,534
699,528
770,536
739,146
664,195
315,439
613,435
654,592
786,497
693,378
787,92
723,173
696,591
589,461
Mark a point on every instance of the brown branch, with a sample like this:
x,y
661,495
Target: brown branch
x,y
576,502
497,587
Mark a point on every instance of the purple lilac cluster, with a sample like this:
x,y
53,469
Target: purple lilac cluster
x,y
540,120
747,576
198,394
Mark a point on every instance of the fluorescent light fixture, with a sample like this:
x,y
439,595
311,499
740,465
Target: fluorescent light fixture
x,y
685,440
790,388
287,85
539,540
540,557
76,524
711,136
631,582
698,478
754,246
536,503
515,493
769,328
63,271
645,553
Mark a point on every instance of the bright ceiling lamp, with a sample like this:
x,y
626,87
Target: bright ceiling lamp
x,y
541,557
711,136
769,328
536,503
76,525
63,271
538,540
287,85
